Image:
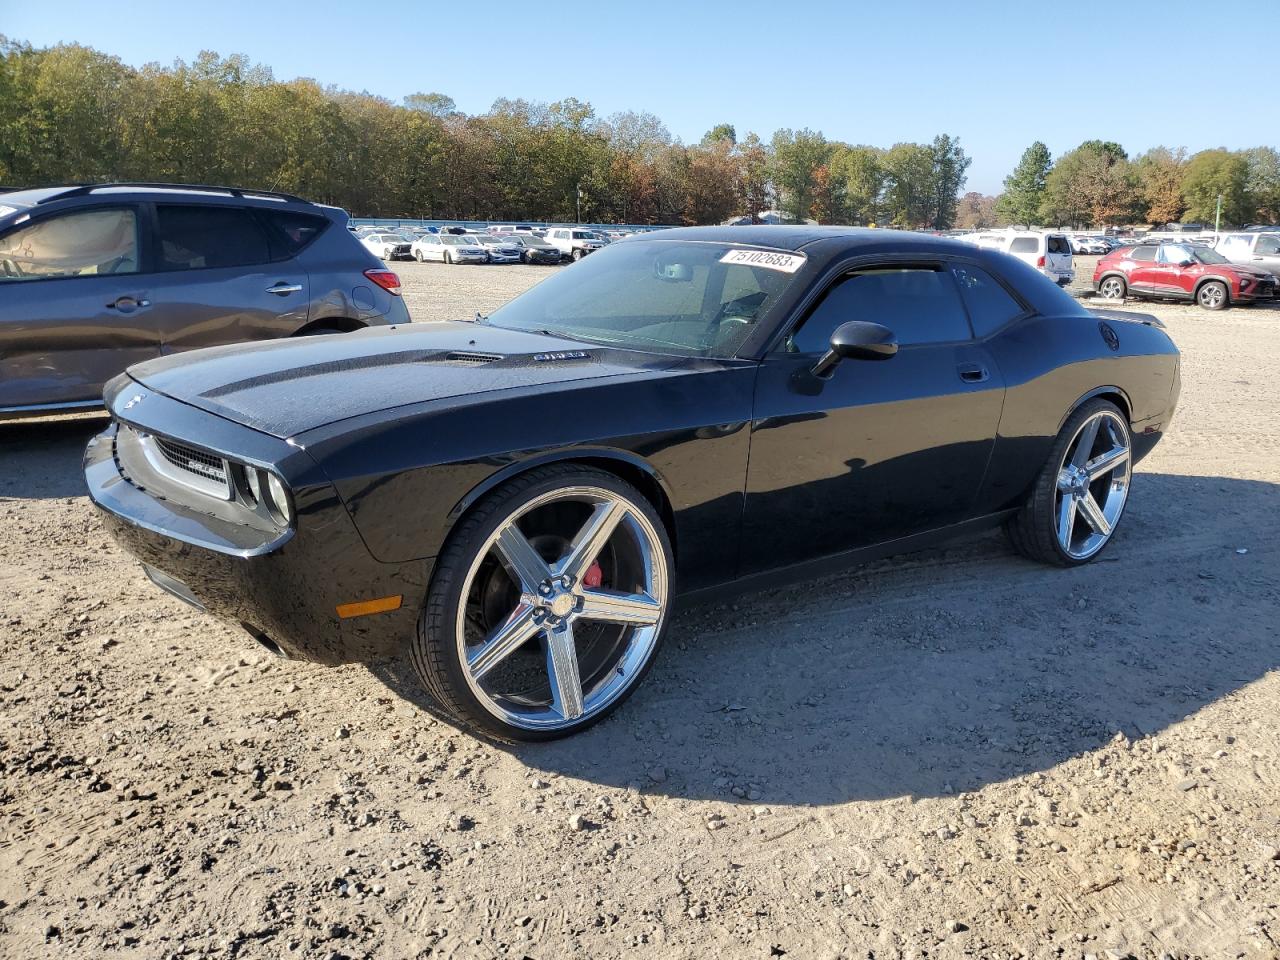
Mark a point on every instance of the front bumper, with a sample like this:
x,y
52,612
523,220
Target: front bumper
x,y
283,589
469,257
1257,292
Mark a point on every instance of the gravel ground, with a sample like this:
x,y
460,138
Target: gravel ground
x,y
955,753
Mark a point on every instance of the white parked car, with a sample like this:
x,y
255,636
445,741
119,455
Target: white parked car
x,y
574,242
449,248
502,249
387,246
1050,253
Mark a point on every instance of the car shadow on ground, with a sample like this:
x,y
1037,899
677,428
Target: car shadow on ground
x,y
949,669
40,459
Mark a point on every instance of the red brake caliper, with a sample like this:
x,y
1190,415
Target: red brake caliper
x,y
594,575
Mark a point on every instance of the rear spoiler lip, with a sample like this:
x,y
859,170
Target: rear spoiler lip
x,y
1127,316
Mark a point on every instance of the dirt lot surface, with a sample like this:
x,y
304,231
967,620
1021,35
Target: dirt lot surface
x,y
952,754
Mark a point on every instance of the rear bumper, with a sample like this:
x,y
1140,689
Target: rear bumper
x,y
286,590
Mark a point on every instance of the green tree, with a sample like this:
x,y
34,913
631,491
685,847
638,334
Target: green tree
x,y
1263,183
435,104
720,133
950,166
1090,185
1024,189
910,196
797,156
1212,174
861,173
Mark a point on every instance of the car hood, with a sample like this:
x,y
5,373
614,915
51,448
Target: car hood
x,y
287,387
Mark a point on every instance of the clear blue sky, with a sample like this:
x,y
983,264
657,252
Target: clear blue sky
x,y
998,75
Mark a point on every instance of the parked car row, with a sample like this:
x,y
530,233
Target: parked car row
x,y
503,243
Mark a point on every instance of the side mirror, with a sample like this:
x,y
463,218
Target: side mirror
x,y
856,340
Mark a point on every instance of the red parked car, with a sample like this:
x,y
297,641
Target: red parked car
x,y
1181,271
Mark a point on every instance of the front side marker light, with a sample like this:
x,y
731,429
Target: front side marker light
x,y
362,608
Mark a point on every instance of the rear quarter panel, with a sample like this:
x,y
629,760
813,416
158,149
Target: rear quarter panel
x,y
1051,364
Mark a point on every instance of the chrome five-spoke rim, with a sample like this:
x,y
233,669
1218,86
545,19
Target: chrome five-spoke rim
x,y
1093,483
1111,288
562,607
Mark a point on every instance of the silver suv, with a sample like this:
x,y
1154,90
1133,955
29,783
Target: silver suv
x,y
95,278
1255,248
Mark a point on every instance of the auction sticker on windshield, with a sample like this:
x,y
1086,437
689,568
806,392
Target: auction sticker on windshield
x,y
785,262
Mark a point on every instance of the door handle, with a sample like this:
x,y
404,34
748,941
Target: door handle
x,y
125,304
283,289
973,373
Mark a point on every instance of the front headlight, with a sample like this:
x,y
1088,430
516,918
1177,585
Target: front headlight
x,y
264,493
279,495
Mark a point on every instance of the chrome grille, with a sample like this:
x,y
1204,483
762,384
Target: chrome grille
x,y
189,458
183,464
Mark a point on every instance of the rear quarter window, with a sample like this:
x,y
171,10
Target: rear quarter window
x,y
289,233
1024,245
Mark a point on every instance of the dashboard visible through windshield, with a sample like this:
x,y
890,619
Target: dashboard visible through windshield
x,y
689,298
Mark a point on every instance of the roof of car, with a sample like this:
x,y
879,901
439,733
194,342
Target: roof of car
x,y
48,195
782,237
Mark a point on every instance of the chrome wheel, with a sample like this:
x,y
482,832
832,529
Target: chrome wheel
x,y
1093,484
1112,288
561,608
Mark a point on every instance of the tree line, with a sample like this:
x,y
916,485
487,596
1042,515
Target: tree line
x,y
1098,184
69,113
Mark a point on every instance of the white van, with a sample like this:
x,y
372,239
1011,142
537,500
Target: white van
x,y
1050,253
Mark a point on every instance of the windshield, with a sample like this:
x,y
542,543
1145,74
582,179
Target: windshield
x,y
455,241
1205,255
664,296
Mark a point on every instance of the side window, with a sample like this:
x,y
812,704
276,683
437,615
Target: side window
x,y
201,237
289,233
1267,246
84,244
1024,245
990,305
920,305
1174,253
1145,254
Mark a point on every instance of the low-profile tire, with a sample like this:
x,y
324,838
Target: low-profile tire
x,y
1213,295
547,605
1078,499
1113,288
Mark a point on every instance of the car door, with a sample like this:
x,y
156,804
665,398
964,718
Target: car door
x,y
218,279
1172,275
1266,254
880,450
75,306
1140,269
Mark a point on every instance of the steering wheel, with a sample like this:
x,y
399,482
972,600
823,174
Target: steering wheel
x,y
732,314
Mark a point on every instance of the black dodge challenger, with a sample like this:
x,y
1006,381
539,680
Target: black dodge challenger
x,y
516,501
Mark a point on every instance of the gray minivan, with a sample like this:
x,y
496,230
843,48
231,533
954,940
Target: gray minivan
x,y
97,277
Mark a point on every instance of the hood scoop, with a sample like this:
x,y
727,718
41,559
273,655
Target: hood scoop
x,y
470,358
